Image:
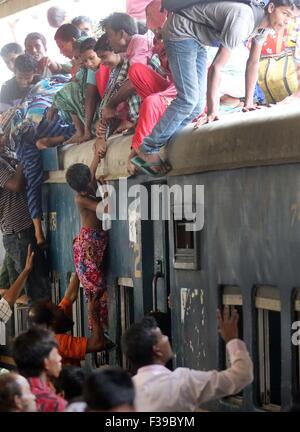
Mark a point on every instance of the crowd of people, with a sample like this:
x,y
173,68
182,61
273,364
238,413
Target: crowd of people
x,y
150,74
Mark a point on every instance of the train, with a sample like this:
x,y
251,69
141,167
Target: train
x,y
222,228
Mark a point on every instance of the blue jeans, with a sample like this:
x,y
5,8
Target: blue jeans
x,y
188,63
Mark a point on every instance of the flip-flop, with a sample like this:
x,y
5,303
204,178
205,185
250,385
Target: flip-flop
x,y
146,166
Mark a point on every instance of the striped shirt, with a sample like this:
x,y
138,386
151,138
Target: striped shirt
x,y
14,215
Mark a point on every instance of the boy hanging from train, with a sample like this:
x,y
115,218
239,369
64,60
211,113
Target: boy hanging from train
x,y
90,244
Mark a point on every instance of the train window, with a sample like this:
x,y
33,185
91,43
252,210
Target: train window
x,y
186,256
21,316
125,312
268,307
232,297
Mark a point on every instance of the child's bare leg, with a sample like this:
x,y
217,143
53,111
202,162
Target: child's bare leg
x,y
79,130
38,231
44,143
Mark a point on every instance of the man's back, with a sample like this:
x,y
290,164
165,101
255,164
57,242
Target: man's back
x,y
226,23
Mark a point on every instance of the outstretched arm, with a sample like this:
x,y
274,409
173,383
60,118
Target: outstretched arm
x,y
213,83
72,291
91,99
14,291
252,75
126,90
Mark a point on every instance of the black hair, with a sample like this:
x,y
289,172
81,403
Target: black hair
x,y
9,388
56,16
41,313
66,32
25,64
45,313
102,44
87,44
78,177
291,3
138,342
30,349
11,48
71,380
80,20
142,28
35,36
108,388
120,21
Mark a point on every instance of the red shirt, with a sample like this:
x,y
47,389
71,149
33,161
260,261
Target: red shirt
x,y
46,399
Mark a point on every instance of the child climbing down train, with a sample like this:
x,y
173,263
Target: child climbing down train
x,y
90,244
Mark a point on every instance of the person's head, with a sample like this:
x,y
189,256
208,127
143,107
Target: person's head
x,y
154,17
280,13
9,53
65,37
119,28
15,394
89,57
45,313
36,46
78,177
106,54
71,380
110,390
35,353
25,67
56,16
144,344
84,24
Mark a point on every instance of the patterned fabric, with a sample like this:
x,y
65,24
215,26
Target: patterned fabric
x,y
117,77
28,125
14,215
71,99
46,399
89,248
5,311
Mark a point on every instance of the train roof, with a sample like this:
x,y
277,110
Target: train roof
x,y
269,136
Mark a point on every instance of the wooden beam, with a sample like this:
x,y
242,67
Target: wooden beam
x,y
9,7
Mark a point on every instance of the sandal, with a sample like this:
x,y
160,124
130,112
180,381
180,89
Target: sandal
x,y
146,167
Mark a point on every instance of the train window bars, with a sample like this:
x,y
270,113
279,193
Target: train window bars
x,y
232,297
125,313
186,245
268,308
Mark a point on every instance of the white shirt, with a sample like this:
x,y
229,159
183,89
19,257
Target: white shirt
x,y
5,314
160,390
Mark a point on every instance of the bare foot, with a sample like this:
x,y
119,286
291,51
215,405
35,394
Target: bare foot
x,y
124,126
75,139
40,240
132,169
